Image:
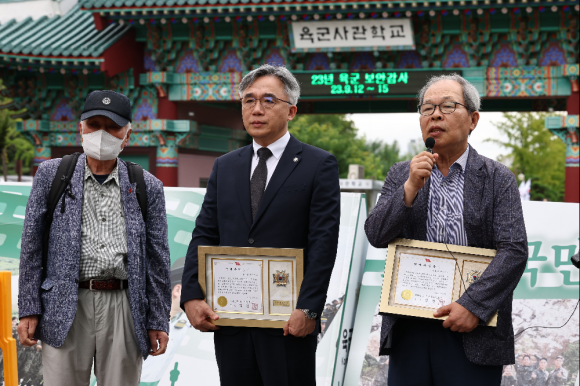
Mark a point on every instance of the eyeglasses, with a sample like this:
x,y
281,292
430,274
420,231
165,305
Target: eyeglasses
x,y
267,102
445,107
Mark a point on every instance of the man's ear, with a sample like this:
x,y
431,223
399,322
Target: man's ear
x,y
474,120
292,112
126,141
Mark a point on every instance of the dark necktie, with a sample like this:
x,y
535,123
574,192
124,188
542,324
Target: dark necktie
x,y
258,180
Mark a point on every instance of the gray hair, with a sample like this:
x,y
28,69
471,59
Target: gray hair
x,y
291,86
470,93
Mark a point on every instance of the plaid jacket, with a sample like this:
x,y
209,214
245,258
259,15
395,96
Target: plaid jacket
x,y
493,219
54,299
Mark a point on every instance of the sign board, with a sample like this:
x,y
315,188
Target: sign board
x,y
545,296
341,299
356,184
352,35
190,353
379,83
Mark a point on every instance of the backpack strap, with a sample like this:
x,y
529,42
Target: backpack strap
x,y
59,184
135,172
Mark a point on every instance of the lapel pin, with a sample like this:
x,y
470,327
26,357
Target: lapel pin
x,y
295,159
130,190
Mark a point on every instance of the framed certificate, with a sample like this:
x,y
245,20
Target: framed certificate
x,y
251,287
421,276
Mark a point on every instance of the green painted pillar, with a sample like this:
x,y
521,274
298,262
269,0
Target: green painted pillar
x,y
566,128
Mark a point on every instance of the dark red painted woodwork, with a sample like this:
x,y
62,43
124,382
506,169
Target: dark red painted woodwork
x,y
572,192
100,21
573,104
124,54
166,109
168,176
572,187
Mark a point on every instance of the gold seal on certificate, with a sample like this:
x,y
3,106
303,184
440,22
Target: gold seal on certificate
x,y
407,294
421,277
251,287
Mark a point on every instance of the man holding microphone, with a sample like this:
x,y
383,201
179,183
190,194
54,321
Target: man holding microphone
x,y
458,197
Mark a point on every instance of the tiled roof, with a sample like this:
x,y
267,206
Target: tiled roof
x,y
140,4
72,35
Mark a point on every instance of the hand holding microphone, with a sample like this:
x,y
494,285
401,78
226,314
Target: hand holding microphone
x,y
421,167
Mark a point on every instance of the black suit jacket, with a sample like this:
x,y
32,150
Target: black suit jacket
x,y
299,209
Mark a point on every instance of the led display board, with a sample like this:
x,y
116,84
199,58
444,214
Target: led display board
x,y
377,83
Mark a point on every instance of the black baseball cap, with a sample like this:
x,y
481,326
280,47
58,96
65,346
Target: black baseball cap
x,y
110,104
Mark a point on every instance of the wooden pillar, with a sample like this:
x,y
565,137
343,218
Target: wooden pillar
x,y
566,128
572,189
167,157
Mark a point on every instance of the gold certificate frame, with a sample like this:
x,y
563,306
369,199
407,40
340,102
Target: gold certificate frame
x,y
422,276
228,277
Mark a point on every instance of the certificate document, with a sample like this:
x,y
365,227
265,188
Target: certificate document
x,y
237,286
421,276
251,287
424,281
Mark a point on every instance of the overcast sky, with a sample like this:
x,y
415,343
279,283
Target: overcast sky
x,y
404,127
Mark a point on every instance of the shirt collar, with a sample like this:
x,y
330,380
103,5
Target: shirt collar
x,y
461,161
277,148
114,175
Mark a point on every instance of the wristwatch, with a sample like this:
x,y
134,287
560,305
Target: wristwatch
x,y
309,314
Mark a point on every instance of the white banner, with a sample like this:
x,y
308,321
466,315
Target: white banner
x,y
546,296
383,33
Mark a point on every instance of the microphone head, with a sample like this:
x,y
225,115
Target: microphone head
x,y
430,143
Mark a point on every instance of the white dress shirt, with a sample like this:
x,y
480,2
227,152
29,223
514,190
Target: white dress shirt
x,y
277,148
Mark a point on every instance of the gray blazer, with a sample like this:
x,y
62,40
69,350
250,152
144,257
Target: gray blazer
x,y
54,299
493,219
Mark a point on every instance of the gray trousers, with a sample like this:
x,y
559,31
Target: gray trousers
x,y
103,332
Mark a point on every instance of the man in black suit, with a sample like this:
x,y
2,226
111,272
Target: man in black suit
x,y
278,193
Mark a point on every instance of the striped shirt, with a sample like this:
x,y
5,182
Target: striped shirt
x,y
445,216
103,232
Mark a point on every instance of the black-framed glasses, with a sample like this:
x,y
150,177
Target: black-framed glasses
x,y
445,107
268,102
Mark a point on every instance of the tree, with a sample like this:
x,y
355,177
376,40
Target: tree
x,y
387,154
415,147
5,124
13,145
534,152
18,148
338,135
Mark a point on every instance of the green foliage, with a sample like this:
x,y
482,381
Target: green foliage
x,y
5,123
416,147
13,145
338,135
387,154
19,148
535,152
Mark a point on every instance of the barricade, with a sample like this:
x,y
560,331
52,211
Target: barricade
x,y
7,343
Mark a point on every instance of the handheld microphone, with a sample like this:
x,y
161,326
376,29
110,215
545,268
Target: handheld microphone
x,y
430,144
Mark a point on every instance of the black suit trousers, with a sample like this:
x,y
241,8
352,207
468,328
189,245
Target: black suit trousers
x,y
424,353
248,356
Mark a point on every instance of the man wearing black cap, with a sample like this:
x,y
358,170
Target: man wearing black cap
x,y
104,297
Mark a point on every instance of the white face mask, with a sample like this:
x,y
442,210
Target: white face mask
x,y
101,145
